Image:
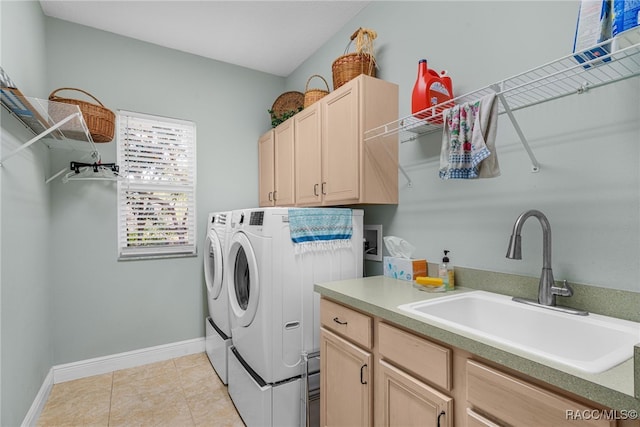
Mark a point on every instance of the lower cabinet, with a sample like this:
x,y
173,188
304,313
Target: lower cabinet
x,y
346,366
345,382
375,373
409,370
407,401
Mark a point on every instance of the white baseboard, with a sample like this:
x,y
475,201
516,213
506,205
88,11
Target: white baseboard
x,y
37,406
129,359
105,364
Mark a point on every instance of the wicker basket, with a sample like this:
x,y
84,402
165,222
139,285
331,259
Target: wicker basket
x,y
100,120
351,65
313,95
285,106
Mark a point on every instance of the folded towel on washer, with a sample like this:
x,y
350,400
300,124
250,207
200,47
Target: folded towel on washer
x,y
320,228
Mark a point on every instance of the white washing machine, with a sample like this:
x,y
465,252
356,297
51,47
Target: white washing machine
x,y
217,325
275,312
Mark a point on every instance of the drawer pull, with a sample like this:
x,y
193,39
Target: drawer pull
x,y
362,381
338,321
439,415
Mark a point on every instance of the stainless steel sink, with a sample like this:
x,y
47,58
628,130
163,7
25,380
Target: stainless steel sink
x,y
590,344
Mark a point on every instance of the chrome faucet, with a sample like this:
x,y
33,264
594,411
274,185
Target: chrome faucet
x,y
547,290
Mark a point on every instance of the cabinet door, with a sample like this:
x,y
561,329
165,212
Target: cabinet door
x,y
308,156
284,170
266,169
407,401
345,383
341,137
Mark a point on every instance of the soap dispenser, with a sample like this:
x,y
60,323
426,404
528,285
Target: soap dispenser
x,y
446,272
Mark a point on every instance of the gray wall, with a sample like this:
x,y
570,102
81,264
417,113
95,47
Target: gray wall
x,y
588,144
26,286
102,306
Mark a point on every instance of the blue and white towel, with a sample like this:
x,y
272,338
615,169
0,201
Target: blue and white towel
x,y
468,140
320,228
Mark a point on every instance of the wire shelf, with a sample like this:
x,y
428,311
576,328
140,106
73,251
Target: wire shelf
x,y
56,124
548,82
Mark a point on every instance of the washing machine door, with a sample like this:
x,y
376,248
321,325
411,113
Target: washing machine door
x,y
213,264
244,283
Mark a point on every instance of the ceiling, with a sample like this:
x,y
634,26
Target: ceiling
x,y
270,36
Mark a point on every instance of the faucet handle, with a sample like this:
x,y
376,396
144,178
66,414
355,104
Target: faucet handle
x,y
564,291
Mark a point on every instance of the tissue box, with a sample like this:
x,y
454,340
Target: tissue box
x,y
404,268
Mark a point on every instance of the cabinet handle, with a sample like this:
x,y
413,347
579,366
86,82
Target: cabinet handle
x,y
315,190
439,415
323,185
338,321
274,196
271,196
362,381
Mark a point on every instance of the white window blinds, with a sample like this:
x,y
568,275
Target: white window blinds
x,y
157,197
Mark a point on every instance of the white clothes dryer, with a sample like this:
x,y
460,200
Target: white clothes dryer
x,y
274,311
217,325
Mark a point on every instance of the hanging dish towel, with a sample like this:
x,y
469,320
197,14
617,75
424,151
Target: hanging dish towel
x,y
468,140
320,228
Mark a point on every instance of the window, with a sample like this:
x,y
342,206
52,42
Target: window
x,y
157,197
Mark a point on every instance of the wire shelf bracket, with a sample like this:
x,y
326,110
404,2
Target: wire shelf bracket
x,y
40,136
535,165
58,125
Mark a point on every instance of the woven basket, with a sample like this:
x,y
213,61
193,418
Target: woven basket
x,y
313,95
285,106
100,120
351,65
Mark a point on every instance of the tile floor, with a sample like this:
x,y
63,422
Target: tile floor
x,y
179,392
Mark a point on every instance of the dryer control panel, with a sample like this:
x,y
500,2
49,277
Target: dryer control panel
x,y
257,218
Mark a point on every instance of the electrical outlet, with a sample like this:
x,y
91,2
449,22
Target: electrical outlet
x,y
373,242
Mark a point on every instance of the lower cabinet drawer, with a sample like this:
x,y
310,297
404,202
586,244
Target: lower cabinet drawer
x,y
349,323
418,355
514,401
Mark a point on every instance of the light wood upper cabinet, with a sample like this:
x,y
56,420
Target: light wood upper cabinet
x,y
284,168
266,164
355,171
322,154
276,167
308,152
341,146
